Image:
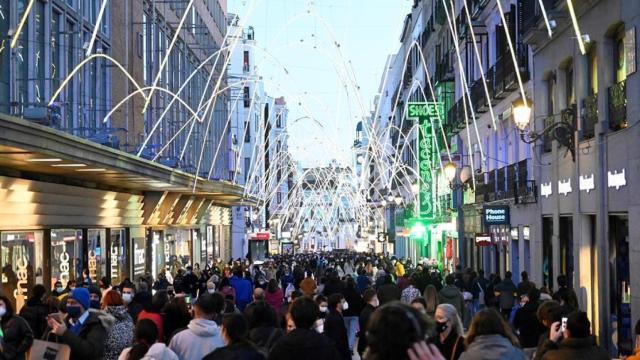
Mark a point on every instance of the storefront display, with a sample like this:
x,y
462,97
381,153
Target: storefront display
x,y
21,264
97,263
66,256
159,254
118,254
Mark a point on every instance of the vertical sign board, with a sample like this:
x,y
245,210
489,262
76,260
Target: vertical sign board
x,y
426,113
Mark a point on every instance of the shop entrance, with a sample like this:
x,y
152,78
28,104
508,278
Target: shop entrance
x,y
547,252
620,291
22,261
566,248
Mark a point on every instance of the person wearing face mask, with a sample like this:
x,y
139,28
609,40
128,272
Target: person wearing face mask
x,y
371,303
334,326
95,295
120,333
16,335
58,289
324,310
449,338
80,329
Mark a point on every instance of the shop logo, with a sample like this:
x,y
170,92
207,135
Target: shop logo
x,y
114,262
20,293
496,215
564,187
546,190
587,183
617,179
64,266
93,265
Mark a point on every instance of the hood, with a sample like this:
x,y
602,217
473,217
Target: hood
x,y
158,351
107,320
119,312
450,292
497,345
204,328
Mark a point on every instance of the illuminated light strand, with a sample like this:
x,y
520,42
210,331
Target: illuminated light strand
x,y
546,18
95,28
23,19
576,27
513,54
167,53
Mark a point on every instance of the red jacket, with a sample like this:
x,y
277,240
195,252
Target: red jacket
x,y
275,299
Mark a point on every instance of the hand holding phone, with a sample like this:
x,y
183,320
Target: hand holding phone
x,y
563,325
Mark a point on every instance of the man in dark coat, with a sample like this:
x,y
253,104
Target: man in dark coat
x,y
575,342
388,291
334,326
82,330
371,299
304,342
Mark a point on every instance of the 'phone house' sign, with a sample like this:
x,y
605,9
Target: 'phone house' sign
x,y
496,215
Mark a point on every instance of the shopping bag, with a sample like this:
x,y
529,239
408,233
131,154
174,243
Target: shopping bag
x,y
48,350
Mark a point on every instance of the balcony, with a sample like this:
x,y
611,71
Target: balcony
x,y
478,95
590,116
547,140
618,106
509,183
476,7
533,13
444,71
505,79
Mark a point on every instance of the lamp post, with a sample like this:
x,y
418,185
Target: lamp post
x,y
562,131
458,182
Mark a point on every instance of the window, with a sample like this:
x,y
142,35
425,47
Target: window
x,y
278,146
593,70
247,133
279,198
279,120
247,167
569,89
245,62
620,58
246,97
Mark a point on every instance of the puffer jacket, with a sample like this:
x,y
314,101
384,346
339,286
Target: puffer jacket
x,y
451,295
120,335
490,347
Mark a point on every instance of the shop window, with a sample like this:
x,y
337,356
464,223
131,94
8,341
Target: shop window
x,y
139,257
66,256
178,246
21,264
593,69
158,252
97,264
118,252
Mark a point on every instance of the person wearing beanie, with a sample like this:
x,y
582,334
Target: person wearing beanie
x,y
80,329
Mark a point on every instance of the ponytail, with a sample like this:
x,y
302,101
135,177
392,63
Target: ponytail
x,y
145,335
138,351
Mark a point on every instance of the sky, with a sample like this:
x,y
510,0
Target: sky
x,y
334,52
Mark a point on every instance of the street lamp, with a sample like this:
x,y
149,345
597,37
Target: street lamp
x,y
450,170
398,200
360,159
562,131
450,173
415,188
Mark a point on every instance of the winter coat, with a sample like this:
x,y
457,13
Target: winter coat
x,y
157,351
304,344
89,344
362,282
452,346
574,349
409,293
244,293
265,337
388,293
490,347
528,325
355,302
635,356
336,330
275,299
35,313
243,351
120,336
363,321
197,340
506,288
18,338
451,295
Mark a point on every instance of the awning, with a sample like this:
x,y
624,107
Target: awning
x,y
36,152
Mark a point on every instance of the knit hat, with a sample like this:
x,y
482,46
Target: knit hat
x,y
81,295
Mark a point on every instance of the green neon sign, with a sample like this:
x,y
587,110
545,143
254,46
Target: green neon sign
x,y
425,113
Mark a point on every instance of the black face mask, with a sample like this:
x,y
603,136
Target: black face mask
x,y
441,326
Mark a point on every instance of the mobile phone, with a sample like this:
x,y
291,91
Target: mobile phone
x,y
563,326
187,299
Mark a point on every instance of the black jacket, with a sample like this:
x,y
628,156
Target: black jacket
x,y
573,349
304,344
35,313
18,338
89,344
528,326
265,337
355,302
388,293
452,347
243,351
335,329
363,321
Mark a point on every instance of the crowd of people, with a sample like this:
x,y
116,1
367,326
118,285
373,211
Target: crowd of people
x,y
337,305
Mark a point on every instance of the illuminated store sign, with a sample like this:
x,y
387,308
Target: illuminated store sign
x,y
426,113
496,215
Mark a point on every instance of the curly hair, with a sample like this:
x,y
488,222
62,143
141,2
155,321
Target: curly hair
x,y
393,328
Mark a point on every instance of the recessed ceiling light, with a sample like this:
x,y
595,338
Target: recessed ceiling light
x,y
91,170
161,185
44,160
69,165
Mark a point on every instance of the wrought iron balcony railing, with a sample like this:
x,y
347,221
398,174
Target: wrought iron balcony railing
x,y
618,106
590,116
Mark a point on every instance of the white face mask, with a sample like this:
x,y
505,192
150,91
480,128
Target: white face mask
x,y
376,302
211,291
345,306
59,289
323,309
3,311
320,326
127,298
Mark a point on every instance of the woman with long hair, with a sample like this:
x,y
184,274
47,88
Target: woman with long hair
x,y
145,346
490,337
17,336
431,298
449,338
235,331
120,335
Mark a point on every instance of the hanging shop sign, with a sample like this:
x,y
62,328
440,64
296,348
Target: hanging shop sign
x,y
483,239
630,50
496,215
427,113
564,187
261,236
546,190
617,179
587,183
